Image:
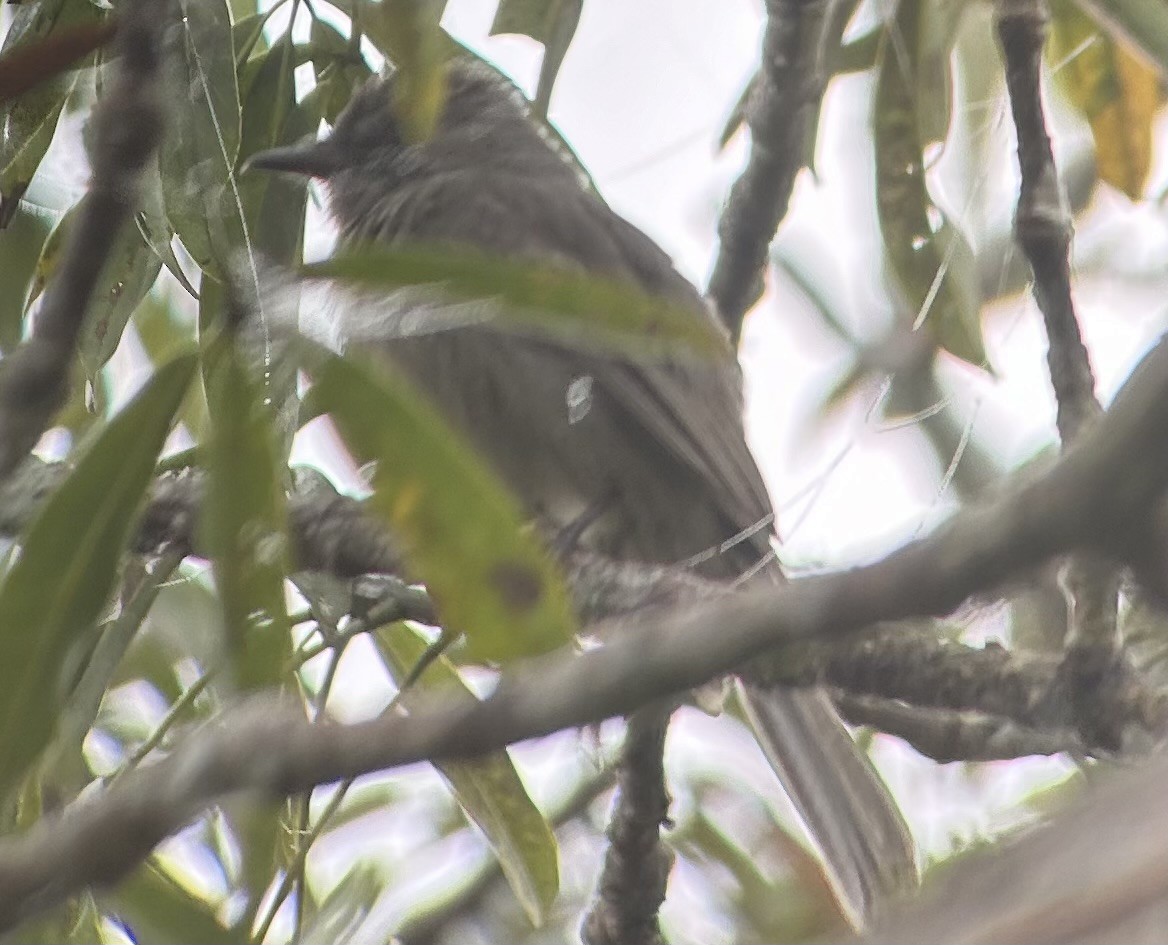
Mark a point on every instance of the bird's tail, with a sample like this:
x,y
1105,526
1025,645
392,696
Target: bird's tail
x,y
842,800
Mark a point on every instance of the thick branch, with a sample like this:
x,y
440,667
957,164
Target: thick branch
x,y
1092,494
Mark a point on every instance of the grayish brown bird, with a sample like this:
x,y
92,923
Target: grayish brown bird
x,y
656,444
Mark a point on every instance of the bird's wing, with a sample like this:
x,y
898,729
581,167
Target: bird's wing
x,y
692,405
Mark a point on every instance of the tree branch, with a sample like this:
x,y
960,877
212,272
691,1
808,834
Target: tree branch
x,y
786,94
637,864
127,127
1092,494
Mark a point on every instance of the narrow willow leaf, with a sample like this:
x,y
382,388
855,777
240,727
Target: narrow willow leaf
x,y
338,919
158,910
130,270
20,246
912,226
407,32
1116,91
25,67
580,306
53,595
489,789
337,73
27,123
198,154
244,522
551,22
274,203
462,531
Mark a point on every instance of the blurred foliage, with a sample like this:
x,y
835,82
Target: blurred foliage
x,y
108,658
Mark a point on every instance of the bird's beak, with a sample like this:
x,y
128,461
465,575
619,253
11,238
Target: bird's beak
x,y
310,158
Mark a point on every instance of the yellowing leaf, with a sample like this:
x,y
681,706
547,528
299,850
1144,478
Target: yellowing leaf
x,y
1115,90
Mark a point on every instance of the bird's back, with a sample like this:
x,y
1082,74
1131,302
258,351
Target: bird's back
x,y
659,439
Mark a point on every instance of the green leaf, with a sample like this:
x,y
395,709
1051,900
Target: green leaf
x,y
163,329
27,123
462,531
407,32
339,917
198,154
55,592
919,246
244,522
1142,23
158,910
583,307
81,708
1116,91
338,70
274,203
551,22
940,25
154,225
489,789
20,246
129,272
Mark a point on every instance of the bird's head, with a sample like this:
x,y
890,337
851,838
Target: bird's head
x,y
369,136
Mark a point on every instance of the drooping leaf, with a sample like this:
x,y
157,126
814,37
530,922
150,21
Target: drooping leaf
x,y
158,910
407,32
489,789
917,241
940,24
551,22
339,917
244,521
339,72
20,246
462,531
28,65
64,757
130,270
28,123
274,203
53,595
579,306
1115,90
154,224
198,154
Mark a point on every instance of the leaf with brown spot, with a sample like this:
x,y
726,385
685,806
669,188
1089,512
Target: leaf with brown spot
x,y
462,531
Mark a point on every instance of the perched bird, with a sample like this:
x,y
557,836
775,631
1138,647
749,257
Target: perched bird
x,y
652,448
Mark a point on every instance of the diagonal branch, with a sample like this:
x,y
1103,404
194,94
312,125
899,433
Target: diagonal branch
x,y
126,127
1093,494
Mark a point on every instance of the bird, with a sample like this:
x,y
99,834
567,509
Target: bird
x,y
648,450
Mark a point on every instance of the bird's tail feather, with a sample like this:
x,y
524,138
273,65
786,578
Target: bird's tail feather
x,y
842,800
